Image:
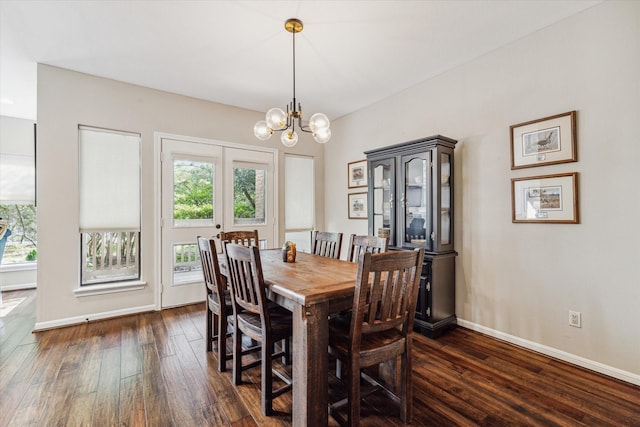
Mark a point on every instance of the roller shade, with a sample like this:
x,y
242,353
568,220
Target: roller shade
x,y
109,180
299,191
17,179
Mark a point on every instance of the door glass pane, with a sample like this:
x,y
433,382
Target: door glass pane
x,y
186,263
249,195
193,184
445,203
415,194
382,200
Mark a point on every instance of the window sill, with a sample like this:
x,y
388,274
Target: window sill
x,y
18,266
109,288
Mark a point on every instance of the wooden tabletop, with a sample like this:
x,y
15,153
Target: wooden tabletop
x,y
311,279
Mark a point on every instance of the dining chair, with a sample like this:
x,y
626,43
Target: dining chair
x,y
378,329
218,300
361,244
245,238
258,319
326,244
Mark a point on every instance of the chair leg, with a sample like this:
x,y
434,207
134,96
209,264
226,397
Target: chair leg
x,y
353,404
209,330
221,325
267,377
237,355
406,387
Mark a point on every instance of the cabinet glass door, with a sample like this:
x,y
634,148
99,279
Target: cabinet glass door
x,y
383,199
445,199
415,198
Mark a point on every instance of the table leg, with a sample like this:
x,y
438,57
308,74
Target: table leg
x,y
310,365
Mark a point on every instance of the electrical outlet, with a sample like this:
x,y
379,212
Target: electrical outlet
x,y
575,319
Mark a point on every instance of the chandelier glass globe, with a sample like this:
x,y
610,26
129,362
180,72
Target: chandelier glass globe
x,y
289,138
276,119
262,130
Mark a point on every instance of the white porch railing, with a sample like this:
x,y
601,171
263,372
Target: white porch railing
x,y
110,256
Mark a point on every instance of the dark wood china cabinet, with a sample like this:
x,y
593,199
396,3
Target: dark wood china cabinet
x,y
411,201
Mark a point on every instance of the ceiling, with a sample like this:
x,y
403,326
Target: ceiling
x,y
349,55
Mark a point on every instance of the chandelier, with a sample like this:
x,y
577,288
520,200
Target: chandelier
x,y
278,121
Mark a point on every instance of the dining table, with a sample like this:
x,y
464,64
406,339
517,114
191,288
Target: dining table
x,y
312,288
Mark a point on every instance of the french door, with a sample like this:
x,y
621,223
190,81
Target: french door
x,y
208,188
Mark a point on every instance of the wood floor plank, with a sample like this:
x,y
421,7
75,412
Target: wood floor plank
x,y
64,385
130,348
144,329
132,409
199,388
161,335
19,356
31,407
152,369
80,411
157,410
107,403
18,386
227,397
517,381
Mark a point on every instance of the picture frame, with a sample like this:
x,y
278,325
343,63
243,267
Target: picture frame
x,y
545,199
358,205
545,141
357,174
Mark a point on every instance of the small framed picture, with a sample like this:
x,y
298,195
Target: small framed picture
x,y
547,198
544,141
357,174
357,205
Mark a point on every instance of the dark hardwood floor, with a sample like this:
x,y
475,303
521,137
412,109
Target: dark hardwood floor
x,y
152,369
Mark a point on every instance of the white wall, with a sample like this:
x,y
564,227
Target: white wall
x,y
66,99
519,281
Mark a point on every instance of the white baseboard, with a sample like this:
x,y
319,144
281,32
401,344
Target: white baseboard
x,y
629,377
41,326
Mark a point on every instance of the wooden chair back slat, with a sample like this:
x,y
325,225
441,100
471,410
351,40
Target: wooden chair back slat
x,y
362,244
242,237
386,291
326,244
244,273
210,267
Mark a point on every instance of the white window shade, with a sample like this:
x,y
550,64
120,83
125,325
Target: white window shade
x,y
299,193
17,179
109,180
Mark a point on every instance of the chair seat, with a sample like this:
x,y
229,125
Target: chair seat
x,y
281,322
391,341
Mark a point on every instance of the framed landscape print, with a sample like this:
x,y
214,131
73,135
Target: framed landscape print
x,y
357,174
357,205
544,141
547,198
